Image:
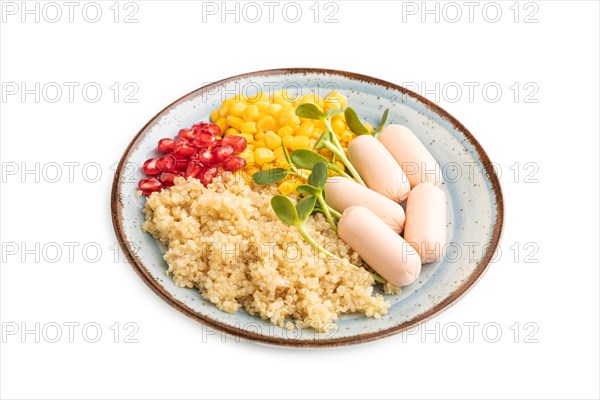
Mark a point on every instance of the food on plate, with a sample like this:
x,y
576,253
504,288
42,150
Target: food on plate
x,y
225,241
410,153
379,246
343,193
425,227
378,168
271,172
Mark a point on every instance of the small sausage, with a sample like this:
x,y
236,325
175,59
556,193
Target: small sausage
x,y
416,161
425,227
343,193
379,246
378,168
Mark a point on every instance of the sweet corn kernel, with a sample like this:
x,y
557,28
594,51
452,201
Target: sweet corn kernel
x,y
285,130
341,165
272,140
237,109
369,127
346,136
248,136
259,143
259,136
247,155
306,129
224,110
279,154
250,170
222,123
249,127
300,142
235,122
232,131
262,106
274,109
260,96
286,188
215,115
251,113
325,153
263,155
338,125
287,141
266,123
287,116
314,99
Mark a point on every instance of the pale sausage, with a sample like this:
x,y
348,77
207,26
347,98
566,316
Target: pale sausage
x,y
379,246
413,157
343,193
425,227
378,168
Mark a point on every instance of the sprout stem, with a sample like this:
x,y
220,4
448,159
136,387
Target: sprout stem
x,y
326,211
340,154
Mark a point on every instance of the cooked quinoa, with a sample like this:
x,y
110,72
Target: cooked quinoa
x,y
226,241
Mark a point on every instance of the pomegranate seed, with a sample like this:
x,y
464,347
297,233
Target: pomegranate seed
x,y
183,148
205,156
187,134
234,163
166,145
166,163
214,129
150,167
238,143
208,175
194,169
205,139
168,179
149,185
200,127
181,164
220,153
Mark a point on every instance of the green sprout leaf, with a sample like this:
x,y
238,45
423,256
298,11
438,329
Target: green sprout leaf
x,y
318,177
384,118
269,176
308,190
285,210
286,154
305,207
309,111
306,159
354,122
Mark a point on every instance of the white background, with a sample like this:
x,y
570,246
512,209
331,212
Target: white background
x,y
552,123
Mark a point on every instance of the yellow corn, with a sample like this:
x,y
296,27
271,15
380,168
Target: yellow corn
x,y
235,122
222,123
338,125
251,113
224,110
249,127
274,109
300,142
215,115
286,188
285,131
272,140
266,123
259,136
247,155
237,109
287,141
259,143
346,136
306,129
232,131
263,155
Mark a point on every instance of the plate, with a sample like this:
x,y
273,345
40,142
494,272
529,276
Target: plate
x,y
474,205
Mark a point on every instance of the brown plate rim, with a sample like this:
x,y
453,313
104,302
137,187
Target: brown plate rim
x,y
480,269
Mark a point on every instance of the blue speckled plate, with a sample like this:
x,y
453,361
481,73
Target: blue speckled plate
x,y
474,204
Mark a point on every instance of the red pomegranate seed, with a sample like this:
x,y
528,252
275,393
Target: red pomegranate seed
x,y
205,156
168,179
187,134
208,175
194,169
205,139
149,185
166,163
183,148
238,143
214,129
166,145
150,167
220,153
200,127
181,164
234,163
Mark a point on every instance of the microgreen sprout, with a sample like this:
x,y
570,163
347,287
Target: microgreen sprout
x,y
314,187
296,216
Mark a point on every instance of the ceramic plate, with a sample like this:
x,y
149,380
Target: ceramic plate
x,y
474,204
